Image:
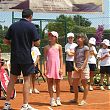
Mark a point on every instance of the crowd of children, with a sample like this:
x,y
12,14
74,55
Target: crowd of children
x,y
81,64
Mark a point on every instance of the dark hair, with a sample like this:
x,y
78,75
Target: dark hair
x,y
82,35
2,62
26,13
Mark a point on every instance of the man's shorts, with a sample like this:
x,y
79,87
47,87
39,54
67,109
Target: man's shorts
x,y
105,70
25,69
92,67
69,66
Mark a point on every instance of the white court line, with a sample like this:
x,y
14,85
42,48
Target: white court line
x,y
50,108
99,103
105,92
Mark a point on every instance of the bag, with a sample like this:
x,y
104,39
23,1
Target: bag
x,y
4,79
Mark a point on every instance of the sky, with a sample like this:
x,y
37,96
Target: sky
x,y
96,19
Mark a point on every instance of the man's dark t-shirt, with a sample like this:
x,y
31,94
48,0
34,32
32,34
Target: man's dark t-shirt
x,y
21,34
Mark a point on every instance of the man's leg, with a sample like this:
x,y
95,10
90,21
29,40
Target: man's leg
x,y
10,88
26,88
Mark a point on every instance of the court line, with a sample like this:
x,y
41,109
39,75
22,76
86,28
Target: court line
x,y
99,103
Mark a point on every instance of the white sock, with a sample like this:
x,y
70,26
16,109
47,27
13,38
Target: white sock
x,y
52,98
25,105
58,98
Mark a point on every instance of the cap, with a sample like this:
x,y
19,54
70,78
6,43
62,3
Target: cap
x,y
92,40
70,35
54,33
106,42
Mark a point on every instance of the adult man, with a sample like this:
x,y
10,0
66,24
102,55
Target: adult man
x,y
20,36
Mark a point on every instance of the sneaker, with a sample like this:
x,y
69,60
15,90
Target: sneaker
x,y
58,102
36,91
108,87
90,88
7,106
102,88
73,101
54,90
82,103
30,91
71,89
53,103
28,108
81,89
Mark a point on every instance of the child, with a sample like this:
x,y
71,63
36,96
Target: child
x,y
69,49
104,58
81,68
53,66
92,60
35,56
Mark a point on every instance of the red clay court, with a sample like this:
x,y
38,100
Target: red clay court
x,y
97,99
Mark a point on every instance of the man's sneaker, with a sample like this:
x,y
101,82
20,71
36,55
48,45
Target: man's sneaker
x,y
7,106
108,87
36,91
90,88
28,108
102,88
71,89
53,103
30,91
80,89
82,103
58,102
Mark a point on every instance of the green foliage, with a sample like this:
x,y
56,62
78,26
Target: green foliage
x,y
71,25
106,34
0,27
81,21
5,48
1,41
3,31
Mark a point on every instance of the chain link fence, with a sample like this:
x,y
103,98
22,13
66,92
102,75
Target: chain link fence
x,y
6,19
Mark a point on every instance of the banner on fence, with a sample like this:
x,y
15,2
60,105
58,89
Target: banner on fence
x,y
54,6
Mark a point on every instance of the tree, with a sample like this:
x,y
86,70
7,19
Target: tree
x,y
3,31
0,27
59,24
81,21
71,25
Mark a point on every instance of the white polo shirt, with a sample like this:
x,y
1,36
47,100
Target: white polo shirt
x,y
102,52
92,58
35,52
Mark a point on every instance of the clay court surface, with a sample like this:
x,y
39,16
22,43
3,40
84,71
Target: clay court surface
x,y
97,99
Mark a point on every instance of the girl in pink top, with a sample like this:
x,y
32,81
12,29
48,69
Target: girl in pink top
x,y
53,66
